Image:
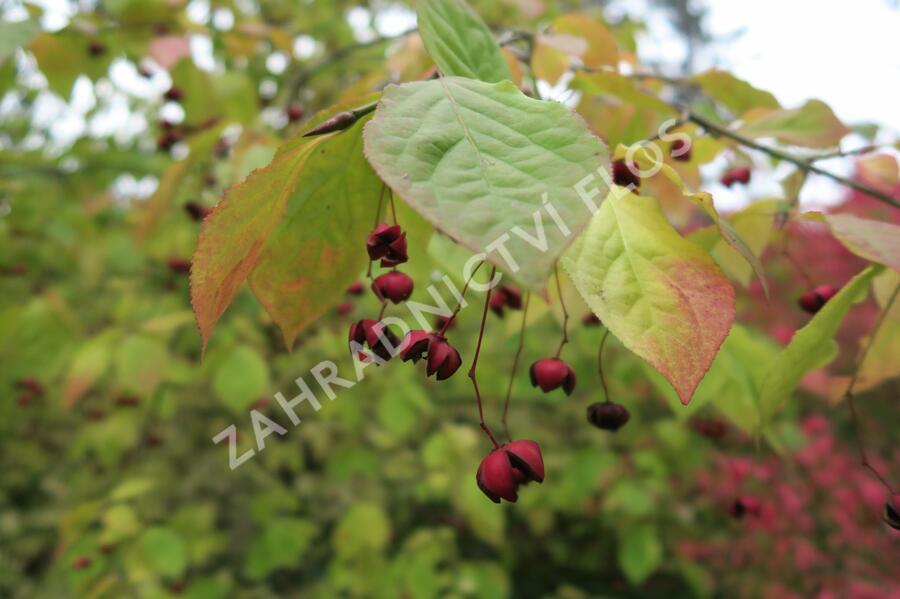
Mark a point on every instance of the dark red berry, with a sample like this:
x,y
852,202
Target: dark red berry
x,y
177,587
344,308
443,359
168,139
394,286
295,112
196,210
30,384
812,301
711,428
24,399
552,373
96,48
107,548
374,335
356,288
388,243
590,320
891,514
680,150
505,296
745,506
95,415
81,562
174,94
221,148
607,415
626,175
178,265
739,174
505,468
128,401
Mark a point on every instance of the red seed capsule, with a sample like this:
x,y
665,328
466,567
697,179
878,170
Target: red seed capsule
x,y
394,286
740,174
387,243
625,175
505,468
552,373
680,150
607,415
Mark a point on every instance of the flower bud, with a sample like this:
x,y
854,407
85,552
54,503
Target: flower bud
x,y
552,373
607,415
388,243
393,286
339,122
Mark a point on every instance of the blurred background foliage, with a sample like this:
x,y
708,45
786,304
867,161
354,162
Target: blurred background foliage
x,y
111,486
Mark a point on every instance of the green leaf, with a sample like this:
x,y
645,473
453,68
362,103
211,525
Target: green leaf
x,y
459,42
318,249
281,546
90,363
141,363
735,94
164,551
476,159
661,295
241,378
812,346
873,240
15,35
813,125
622,87
363,530
640,553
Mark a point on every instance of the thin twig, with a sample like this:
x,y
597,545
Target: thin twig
x,y
462,297
562,304
801,163
600,365
851,400
472,371
515,365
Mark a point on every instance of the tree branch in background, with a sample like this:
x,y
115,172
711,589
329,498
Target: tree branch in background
x,y
802,164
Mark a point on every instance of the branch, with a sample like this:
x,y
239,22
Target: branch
x,y
805,165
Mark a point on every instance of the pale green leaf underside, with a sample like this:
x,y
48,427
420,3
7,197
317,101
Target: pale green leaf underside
x,y
459,42
812,346
661,295
476,160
